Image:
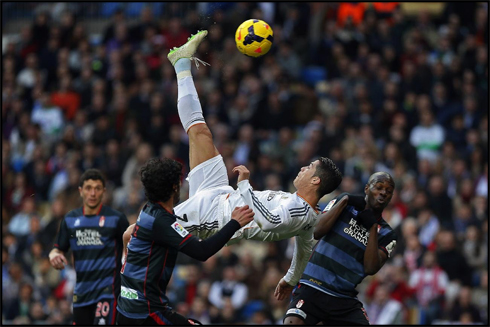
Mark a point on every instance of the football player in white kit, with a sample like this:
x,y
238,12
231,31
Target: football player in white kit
x,y
278,215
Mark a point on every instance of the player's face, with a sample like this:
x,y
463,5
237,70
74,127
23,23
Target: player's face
x,y
379,193
92,193
305,174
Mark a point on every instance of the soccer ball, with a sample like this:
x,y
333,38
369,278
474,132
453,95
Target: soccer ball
x,y
254,37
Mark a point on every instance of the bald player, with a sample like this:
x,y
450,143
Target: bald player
x,y
354,241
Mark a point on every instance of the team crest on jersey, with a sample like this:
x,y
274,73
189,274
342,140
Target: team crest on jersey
x,y
179,229
77,222
300,304
329,205
101,221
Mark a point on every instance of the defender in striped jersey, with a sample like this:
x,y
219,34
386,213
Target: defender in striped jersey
x,y
94,234
355,241
154,244
278,215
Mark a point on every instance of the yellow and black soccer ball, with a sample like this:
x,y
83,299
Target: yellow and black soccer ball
x,y
254,37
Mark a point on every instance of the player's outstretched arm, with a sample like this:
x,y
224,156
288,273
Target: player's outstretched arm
x,y
327,219
203,249
303,245
268,220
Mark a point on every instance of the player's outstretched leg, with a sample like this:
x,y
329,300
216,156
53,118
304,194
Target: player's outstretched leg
x,y
201,146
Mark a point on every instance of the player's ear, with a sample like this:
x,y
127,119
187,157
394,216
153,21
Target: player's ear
x,y
315,180
80,190
366,189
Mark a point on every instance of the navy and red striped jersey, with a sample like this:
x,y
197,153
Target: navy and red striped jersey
x,y
336,265
152,251
96,243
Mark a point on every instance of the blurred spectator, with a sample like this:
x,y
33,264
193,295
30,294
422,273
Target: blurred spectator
x,y
49,117
19,192
451,260
430,283
427,137
383,310
228,288
20,224
474,248
463,305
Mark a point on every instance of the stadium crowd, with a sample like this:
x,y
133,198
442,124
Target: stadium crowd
x,y
379,90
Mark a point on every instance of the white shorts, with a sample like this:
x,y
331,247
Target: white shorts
x,y
202,213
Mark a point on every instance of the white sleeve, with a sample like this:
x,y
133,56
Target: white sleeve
x,y
275,220
303,245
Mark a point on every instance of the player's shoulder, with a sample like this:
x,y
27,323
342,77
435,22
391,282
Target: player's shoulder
x,y
77,212
152,212
108,211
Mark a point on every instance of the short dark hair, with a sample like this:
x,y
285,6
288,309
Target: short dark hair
x,y
159,176
330,176
93,174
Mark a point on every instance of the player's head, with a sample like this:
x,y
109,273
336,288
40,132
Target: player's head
x,y
92,187
379,190
321,174
161,179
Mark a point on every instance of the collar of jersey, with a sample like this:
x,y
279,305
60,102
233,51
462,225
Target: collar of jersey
x,y
307,202
98,212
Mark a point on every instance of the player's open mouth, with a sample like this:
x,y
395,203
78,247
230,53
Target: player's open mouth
x,y
381,201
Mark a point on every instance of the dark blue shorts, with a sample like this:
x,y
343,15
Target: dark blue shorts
x,y
313,306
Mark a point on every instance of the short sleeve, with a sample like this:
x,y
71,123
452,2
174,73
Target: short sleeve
x,y
168,232
63,241
387,243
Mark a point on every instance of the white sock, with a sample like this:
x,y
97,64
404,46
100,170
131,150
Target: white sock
x,y
188,105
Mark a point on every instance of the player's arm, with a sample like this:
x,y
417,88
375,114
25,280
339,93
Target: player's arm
x,y
374,258
303,245
268,220
376,252
333,210
57,254
327,219
168,232
203,249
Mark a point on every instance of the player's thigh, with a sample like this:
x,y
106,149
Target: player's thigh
x,y
207,175
84,315
201,145
346,312
304,307
105,312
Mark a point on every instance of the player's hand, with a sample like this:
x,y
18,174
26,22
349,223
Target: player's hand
x,y
243,173
57,260
367,218
283,289
357,201
243,215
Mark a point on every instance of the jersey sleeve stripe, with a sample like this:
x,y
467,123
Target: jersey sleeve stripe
x,y
274,219
185,239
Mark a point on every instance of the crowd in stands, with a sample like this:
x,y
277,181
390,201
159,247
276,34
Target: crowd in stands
x,y
377,90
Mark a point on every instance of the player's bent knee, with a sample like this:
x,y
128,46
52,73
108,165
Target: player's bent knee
x,y
292,320
200,130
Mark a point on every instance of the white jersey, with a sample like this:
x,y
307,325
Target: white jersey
x,y
278,215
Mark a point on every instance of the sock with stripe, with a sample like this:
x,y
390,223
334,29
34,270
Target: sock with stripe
x,y
188,105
